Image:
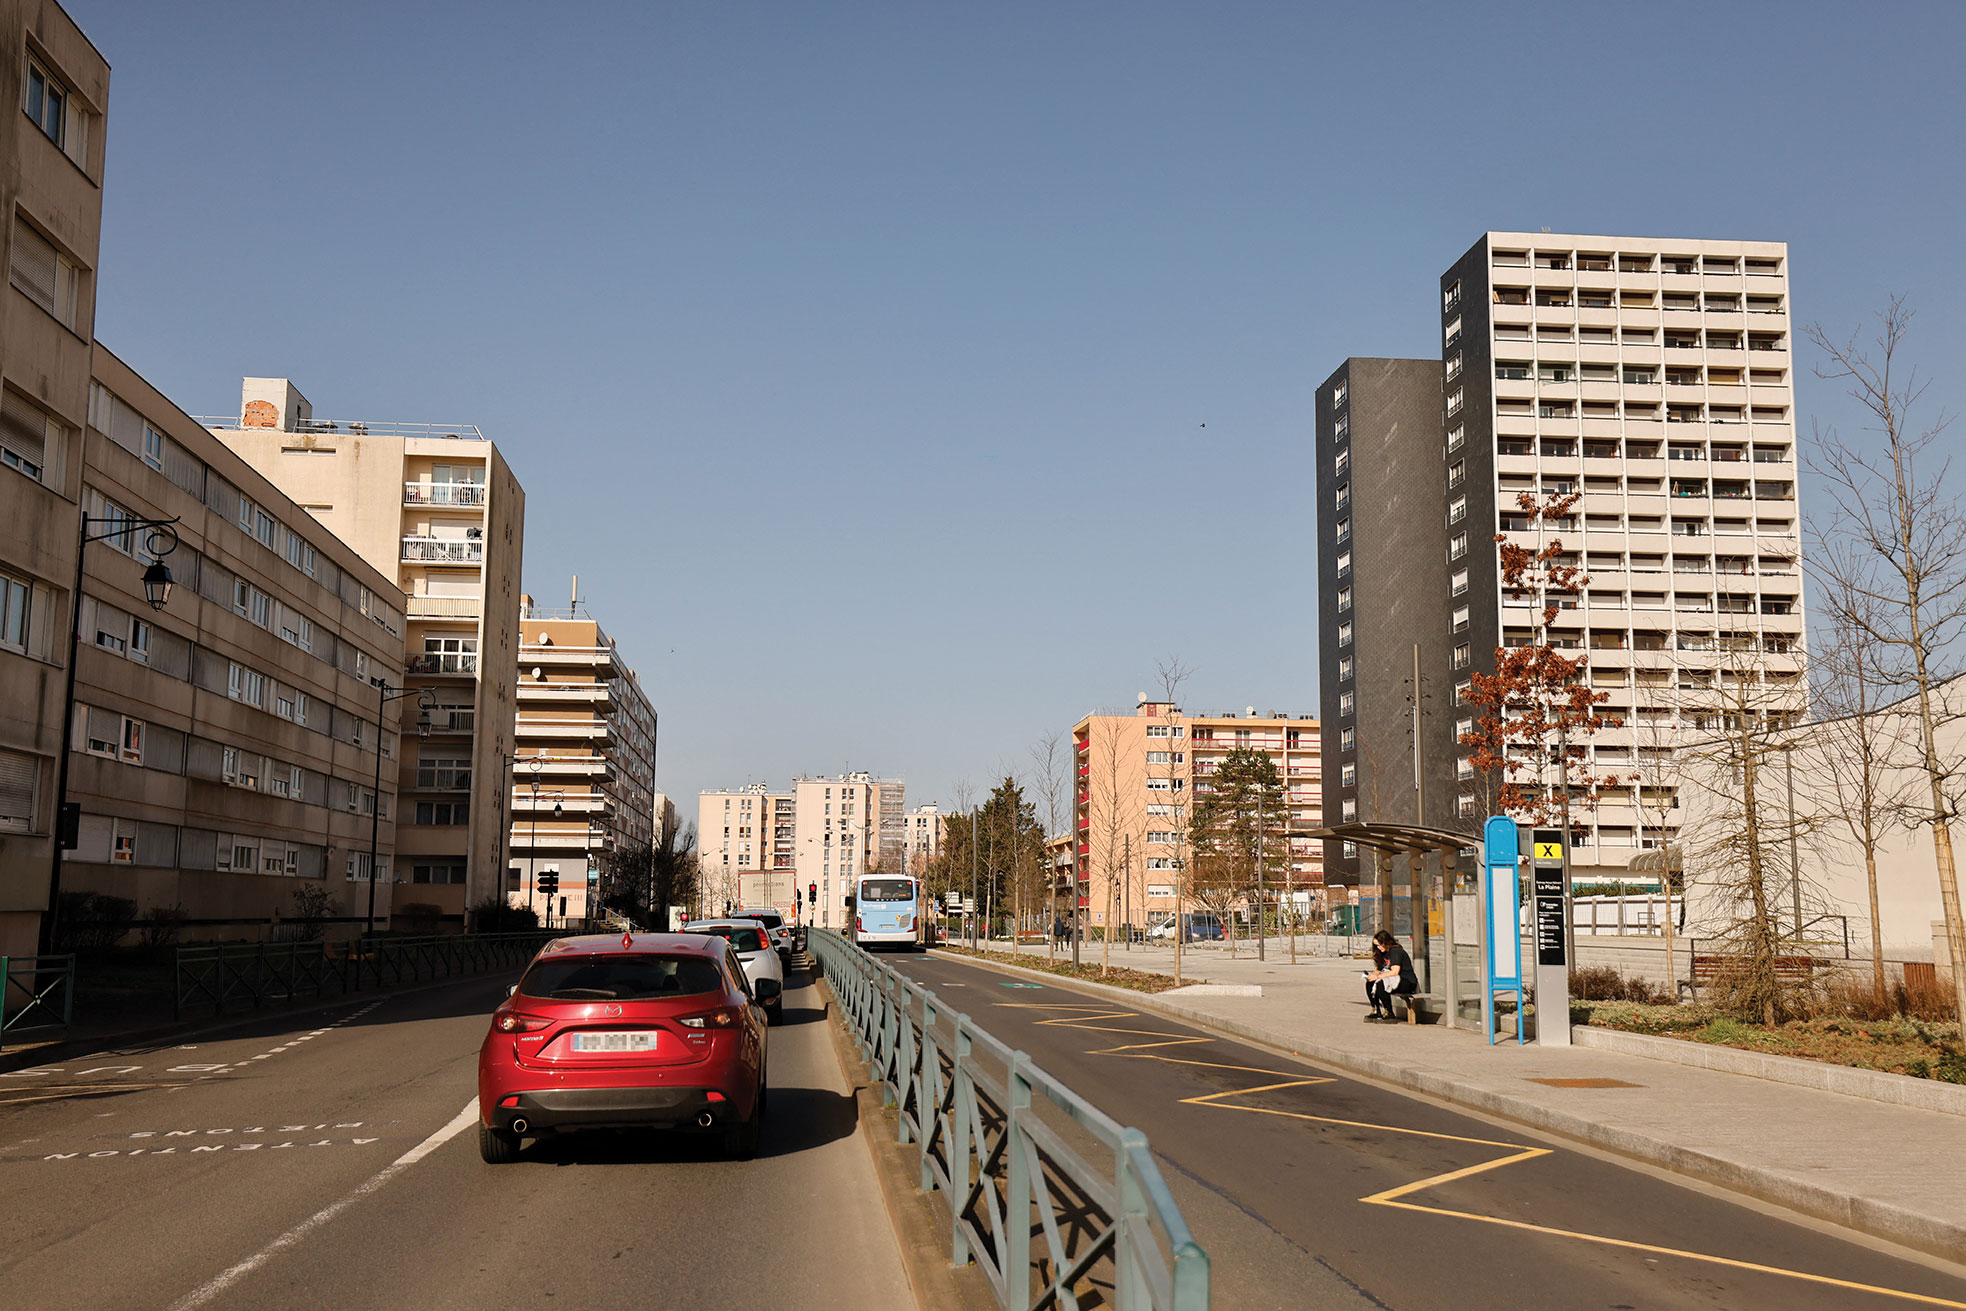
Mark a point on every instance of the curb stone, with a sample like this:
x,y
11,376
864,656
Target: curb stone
x,y
1849,1080
1884,1220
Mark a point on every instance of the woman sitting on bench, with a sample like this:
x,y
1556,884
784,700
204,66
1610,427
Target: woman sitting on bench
x,y
1394,977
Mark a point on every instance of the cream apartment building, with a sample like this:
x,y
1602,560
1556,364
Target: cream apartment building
x,y
1652,377
1136,773
225,746
925,828
51,193
756,846
582,783
437,509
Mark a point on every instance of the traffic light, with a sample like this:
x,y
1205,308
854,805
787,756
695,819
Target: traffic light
x,y
812,893
549,881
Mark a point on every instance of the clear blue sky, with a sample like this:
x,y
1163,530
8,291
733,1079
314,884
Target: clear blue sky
x,y
905,318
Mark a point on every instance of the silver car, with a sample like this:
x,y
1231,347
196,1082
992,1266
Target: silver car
x,y
781,932
755,952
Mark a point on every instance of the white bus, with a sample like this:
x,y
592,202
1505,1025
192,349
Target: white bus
x,y
887,911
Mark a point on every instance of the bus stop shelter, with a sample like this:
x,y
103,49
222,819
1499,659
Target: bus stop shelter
x,y
1416,843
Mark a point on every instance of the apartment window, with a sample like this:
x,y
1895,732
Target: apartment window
x,y
1453,403
132,748
1344,599
45,275
229,763
1460,619
26,433
1457,509
1157,757
260,608
1338,395
1344,495
1344,634
1160,837
1346,700
299,554
1454,368
1342,461
1344,563
1456,436
1462,691
1457,546
443,813
112,627
1344,667
243,684
1347,739
1344,531
16,605
263,527
139,641
153,448
1457,473
1348,775
1463,655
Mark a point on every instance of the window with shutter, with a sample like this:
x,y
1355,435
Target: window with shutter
x,y
36,269
19,773
23,435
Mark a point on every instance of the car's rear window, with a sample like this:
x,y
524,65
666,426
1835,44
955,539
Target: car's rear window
x,y
620,977
887,890
768,920
742,939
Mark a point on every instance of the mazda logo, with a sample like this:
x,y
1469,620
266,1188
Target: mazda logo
x,y
610,1010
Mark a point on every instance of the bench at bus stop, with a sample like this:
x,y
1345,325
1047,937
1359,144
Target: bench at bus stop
x,y
1708,968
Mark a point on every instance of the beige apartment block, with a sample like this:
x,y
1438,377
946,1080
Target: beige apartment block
x,y
435,508
1136,775
225,746
1655,378
925,828
582,782
739,847
756,846
51,192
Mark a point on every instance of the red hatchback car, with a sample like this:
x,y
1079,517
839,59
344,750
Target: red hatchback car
x,y
644,1030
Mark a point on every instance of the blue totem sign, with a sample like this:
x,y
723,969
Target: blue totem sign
x,y
1501,961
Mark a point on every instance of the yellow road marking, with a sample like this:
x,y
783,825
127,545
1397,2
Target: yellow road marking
x,y
1391,1196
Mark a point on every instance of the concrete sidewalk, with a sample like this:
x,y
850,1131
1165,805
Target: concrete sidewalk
x,y
1890,1171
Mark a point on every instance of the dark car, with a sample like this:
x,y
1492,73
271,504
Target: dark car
x,y
644,1030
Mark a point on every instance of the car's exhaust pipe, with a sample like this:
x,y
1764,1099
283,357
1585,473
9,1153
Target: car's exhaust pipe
x,y
704,1119
519,1124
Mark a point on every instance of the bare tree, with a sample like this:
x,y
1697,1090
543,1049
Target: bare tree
x,y
1739,836
1172,673
1051,763
1889,500
1113,812
1856,750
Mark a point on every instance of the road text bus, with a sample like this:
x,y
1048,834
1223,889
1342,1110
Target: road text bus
x,y
886,911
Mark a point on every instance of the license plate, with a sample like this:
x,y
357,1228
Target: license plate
x,y
643,1041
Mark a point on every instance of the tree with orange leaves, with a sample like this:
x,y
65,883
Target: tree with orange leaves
x,y
1537,697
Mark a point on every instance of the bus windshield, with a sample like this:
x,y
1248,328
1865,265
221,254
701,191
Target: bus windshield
x,y
887,890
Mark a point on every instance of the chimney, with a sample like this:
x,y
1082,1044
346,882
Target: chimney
x,y
273,403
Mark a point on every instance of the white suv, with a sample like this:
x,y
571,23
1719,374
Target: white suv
x,y
781,933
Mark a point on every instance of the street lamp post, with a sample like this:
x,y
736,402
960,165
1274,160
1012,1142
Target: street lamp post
x,y
157,583
426,700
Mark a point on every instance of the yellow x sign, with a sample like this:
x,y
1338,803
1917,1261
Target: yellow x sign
x,y
1549,851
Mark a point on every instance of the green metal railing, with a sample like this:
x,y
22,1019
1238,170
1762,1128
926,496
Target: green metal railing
x,y
967,1102
228,976
36,992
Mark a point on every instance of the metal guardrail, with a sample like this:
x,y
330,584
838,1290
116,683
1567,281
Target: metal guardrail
x,y
966,1100
230,975
36,992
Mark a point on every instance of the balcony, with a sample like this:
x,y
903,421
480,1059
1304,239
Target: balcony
x,y
463,664
598,695
431,778
445,607
462,495
600,659
595,730
450,720
443,550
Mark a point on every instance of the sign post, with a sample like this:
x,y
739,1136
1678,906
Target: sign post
x,y
1501,958
1552,926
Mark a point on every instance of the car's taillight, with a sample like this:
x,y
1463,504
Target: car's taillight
x,y
724,1017
858,927
517,1022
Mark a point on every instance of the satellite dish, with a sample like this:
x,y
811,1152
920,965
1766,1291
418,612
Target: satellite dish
x,y
536,672
1249,712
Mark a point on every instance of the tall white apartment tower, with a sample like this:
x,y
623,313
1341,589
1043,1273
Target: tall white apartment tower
x,y
1654,378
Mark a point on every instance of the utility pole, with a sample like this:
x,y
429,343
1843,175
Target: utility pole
x,y
1262,896
1419,774
1795,868
974,814
1126,895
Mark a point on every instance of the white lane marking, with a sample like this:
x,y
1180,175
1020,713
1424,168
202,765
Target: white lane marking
x,y
210,1289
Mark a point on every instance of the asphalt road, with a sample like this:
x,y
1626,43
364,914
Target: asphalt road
x,y
332,1160
1310,1188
